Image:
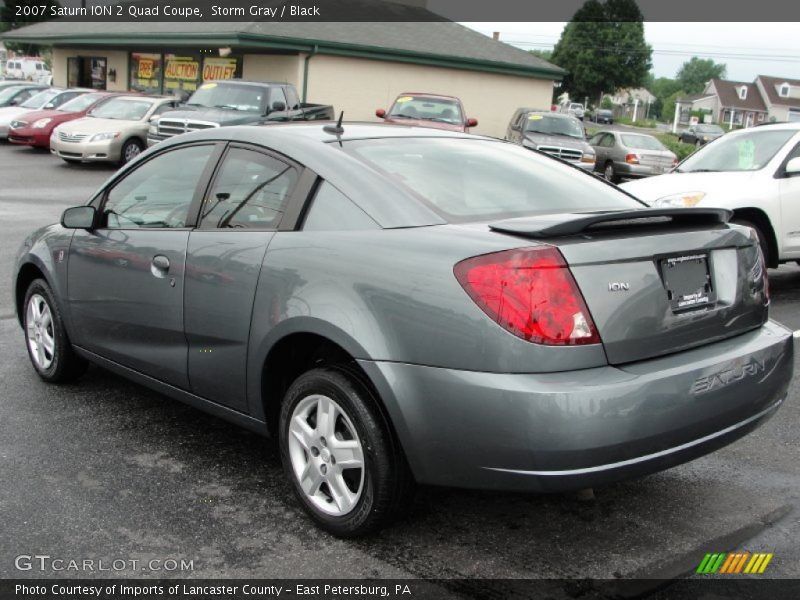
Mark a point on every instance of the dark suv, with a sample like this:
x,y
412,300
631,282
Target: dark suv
x,y
556,134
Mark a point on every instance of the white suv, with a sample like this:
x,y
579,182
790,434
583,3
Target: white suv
x,y
753,172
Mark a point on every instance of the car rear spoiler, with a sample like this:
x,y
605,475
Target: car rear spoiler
x,y
563,224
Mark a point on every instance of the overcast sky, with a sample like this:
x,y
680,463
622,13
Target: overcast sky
x,y
748,49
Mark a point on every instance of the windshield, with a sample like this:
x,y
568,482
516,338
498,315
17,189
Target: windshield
x,y
40,99
551,125
749,151
709,129
80,103
122,109
10,92
444,110
466,180
641,142
234,97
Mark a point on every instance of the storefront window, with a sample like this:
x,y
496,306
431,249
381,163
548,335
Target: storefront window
x,y
145,73
221,68
181,75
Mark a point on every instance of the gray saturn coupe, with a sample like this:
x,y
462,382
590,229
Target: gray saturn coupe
x,y
402,305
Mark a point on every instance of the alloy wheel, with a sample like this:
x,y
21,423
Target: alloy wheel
x,y
39,327
326,455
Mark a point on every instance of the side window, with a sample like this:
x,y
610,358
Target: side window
x,y
608,141
292,100
159,193
250,190
596,139
277,99
331,210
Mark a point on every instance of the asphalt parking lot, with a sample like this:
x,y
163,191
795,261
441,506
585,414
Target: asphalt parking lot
x,y
105,469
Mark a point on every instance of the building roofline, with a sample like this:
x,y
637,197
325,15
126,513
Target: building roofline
x,y
252,41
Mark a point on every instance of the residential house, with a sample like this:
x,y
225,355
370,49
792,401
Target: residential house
x,y
781,97
733,103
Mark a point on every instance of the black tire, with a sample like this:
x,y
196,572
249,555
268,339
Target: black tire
x,y
388,486
762,239
130,150
698,144
609,173
65,365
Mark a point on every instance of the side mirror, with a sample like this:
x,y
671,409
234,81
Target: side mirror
x,y
792,167
472,122
78,217
278,106
48,105
15,102
380,113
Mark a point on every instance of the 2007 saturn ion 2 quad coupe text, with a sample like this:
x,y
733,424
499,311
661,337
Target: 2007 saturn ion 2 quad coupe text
x,y
402,305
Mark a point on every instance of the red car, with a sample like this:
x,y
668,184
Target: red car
x,y
428,110
35,128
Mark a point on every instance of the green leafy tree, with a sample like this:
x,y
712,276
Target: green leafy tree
x,y
9,19
662,88
694,73
603,49
543,54
607,104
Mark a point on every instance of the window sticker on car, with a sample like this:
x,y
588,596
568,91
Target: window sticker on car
x,y
747,154
535,118
404,99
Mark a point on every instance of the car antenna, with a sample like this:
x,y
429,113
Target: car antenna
x,y
335,129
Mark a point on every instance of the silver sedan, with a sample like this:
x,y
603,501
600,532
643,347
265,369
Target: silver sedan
x,y
630,155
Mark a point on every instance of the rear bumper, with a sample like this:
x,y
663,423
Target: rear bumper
x,y
562,431
632,171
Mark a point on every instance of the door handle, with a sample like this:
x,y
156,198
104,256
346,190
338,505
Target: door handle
x,y
160,265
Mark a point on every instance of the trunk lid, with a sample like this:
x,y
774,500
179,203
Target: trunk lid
x,y
657,281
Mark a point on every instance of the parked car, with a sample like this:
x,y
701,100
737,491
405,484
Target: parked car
x,y
602,115
630,155
27,68
700,134
225,103
575,109
401,304
46,99
753,172
36,128
555,134
17,93
114,131
428,110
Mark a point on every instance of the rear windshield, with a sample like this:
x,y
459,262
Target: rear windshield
x,y
125,110
748,151
468,180
641,142
551,125
444,110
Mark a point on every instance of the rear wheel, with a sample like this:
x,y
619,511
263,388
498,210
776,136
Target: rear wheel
x,y
48,345
345,466
697,144
610,173
762,239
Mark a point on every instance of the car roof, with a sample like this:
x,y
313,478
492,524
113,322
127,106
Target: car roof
x,y
427,95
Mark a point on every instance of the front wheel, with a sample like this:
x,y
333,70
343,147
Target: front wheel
x,y
48,345
345,466
130,150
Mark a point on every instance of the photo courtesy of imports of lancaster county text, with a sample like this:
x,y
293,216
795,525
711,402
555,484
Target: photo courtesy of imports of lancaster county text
x,y
388,299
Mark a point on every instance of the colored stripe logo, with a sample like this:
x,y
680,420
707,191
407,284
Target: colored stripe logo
x,y
734,563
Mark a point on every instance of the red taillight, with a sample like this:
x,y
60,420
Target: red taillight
x,y
674,162
531,293
632,159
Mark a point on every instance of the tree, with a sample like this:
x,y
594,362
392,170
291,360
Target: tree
x,y
543,54
662,88
668,108
695,73
603,49
10,20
